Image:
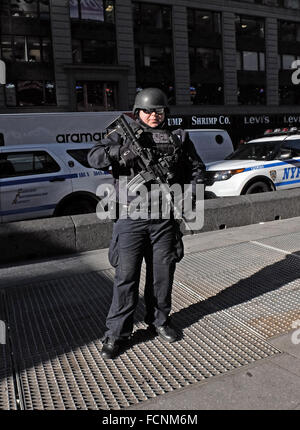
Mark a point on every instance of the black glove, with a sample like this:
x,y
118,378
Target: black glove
x,y
128,155
199,177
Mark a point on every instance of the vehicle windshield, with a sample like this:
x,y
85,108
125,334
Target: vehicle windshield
x,y
256,151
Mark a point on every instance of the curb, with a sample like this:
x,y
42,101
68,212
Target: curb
x,y
49,237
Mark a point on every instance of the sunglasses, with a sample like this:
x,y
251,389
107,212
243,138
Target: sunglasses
x,y
158,111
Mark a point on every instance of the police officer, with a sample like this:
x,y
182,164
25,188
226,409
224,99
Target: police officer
x,y
156,240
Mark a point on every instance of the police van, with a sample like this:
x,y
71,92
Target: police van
x,y
269,163
51,127
44,180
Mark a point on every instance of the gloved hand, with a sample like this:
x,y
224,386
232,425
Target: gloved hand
x,y
199,177
127,155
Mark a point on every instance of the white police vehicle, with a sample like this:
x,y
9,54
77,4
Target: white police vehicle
x,y
43,180
269,163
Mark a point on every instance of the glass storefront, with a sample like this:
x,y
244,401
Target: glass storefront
x,y
96,96
30,93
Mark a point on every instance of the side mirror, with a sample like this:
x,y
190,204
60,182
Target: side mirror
x,y
285,154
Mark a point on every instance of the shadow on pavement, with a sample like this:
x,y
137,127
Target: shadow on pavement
x,y
66,313
268,279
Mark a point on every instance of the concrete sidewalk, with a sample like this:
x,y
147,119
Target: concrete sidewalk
x,y
236,300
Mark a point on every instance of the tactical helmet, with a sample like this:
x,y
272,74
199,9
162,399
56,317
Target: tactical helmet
x,y
150,98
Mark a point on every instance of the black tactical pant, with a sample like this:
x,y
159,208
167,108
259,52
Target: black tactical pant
x,y
133,240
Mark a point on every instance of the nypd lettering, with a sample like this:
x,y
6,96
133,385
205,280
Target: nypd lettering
x,y
291,173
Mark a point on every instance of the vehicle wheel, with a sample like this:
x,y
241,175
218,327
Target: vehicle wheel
x,y
77,207
258,187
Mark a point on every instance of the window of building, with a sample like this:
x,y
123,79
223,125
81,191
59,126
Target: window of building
x,y
250,61
6,48
289,31
286,61
152,15
95,10
154,47
289,94
151,56
30,93
251,27
205,58
96,96
154,67
276,3
207,93
250,94
26,48
204,21
94,51
30,8
289,4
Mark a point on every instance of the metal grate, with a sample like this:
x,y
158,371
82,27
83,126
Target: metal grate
x,y
263,293
56,326
288,242
233,258
7,389
226,316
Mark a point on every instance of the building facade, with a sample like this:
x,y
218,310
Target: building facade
x,y
230,64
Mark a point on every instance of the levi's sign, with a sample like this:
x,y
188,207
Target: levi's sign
x,y
257,119
294,119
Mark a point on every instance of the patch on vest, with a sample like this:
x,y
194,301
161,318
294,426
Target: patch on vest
x,y
160,137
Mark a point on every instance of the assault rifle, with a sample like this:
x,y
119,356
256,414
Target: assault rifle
x,y
155,171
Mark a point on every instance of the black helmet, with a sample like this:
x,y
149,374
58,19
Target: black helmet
x,y
150,98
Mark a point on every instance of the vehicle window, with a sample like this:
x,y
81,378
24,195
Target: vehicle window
x,y
294,145
255,151
26,163
80,155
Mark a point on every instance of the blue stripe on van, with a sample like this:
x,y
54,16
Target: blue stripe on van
x,y
6,183
26,210
279,163
278,184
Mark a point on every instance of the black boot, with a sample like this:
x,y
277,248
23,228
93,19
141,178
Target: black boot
x,y
166,332
111,347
